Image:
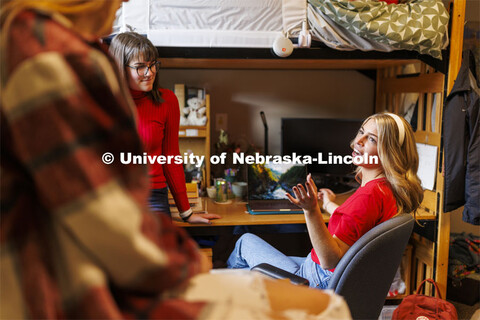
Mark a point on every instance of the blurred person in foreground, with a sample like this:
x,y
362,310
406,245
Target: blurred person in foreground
x,y
77,238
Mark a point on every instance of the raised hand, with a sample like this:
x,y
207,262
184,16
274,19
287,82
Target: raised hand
x,y
305,197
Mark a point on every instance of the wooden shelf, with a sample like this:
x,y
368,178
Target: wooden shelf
x,y
192,132
197,140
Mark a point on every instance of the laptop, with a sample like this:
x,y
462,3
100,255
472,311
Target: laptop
x,y
267,185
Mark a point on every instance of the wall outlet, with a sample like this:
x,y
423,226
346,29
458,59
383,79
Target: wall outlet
x,y
221,121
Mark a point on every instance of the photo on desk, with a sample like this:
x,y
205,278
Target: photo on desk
x,y
267,185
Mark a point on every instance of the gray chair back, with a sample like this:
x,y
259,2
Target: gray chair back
x,y
366,271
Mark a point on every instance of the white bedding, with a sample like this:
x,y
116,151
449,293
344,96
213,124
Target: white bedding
x,y
234,24
212,23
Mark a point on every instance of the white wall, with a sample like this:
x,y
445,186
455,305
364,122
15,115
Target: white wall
x,y
242,94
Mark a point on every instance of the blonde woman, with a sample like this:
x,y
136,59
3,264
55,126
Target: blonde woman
x,y
77,238
388,187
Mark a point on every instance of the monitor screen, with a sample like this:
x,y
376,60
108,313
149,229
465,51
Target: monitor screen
x,y
271,181
311,136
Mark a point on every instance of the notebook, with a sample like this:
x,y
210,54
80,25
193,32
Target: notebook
x,y
267,185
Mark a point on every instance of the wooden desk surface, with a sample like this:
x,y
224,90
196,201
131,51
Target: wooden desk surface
x,y
235,214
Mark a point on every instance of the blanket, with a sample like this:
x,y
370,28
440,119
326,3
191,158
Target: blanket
x,y
419,25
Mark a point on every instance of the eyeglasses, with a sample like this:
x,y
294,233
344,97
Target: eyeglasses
x,y
143,69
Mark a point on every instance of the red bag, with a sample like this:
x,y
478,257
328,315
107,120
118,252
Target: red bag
x,y
421,307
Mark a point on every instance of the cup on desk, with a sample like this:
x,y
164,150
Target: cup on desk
x,y
212,192
221,188
239,189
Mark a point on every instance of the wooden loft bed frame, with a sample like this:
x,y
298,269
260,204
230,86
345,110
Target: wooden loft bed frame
x,y
430,257
321,58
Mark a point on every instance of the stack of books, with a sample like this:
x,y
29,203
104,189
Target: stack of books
x,y
193,198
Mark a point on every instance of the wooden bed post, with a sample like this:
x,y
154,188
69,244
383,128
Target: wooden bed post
x,y
456,41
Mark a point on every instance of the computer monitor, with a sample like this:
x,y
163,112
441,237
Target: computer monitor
x,y
310,136
271,181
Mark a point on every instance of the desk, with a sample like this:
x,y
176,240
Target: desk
x,y
235,214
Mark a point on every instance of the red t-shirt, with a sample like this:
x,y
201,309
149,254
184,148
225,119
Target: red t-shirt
x,y
158,126
369,206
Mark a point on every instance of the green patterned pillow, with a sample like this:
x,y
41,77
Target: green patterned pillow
x,y
419,25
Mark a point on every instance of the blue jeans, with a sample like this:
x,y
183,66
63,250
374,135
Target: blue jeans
x,y
158,201
251,250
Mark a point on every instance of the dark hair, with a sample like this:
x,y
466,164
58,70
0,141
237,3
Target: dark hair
x,y
130,45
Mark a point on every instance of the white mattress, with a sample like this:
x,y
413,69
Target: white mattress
x,y
212,23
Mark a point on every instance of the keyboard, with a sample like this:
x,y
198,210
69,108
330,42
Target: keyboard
x,y
272,205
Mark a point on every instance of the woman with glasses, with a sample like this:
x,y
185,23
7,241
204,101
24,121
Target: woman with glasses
x,y
158,122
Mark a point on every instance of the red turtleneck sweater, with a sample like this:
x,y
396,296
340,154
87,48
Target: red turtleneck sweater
x,y
158,126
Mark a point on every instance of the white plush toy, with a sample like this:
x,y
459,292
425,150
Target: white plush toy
x,y
196,112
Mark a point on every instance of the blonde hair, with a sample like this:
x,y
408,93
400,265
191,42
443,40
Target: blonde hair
x,y
69,9
127,46
399,161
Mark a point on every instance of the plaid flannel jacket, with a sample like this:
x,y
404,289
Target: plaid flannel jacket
x,y
77,239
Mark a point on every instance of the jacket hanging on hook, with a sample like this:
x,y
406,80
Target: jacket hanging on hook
x,y
461,136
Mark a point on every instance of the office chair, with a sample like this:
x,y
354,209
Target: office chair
x,y
366,271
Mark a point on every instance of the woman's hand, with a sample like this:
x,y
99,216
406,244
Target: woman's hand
x,y
305,198
205,218
328,197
